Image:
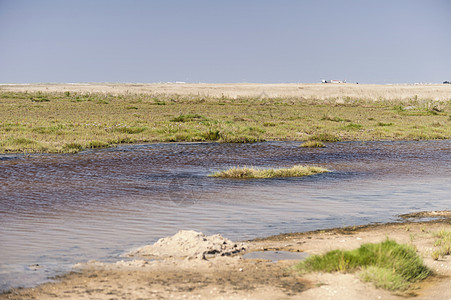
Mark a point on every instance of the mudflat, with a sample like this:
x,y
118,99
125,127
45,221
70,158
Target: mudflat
x,y
233,276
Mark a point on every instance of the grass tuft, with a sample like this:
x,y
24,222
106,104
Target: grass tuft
x,y
443,242
39,99
388,265
325,137
97,145
249,172
72,147
313,144
129,130
384,278
23,141
353,126
188,118
330,118
382,124
212,135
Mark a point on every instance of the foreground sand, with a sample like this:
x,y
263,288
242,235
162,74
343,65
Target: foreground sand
x,y
238,278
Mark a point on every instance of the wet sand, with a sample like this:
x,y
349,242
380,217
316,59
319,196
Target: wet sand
x,y
233,277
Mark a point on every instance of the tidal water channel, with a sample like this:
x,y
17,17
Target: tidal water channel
x,y
57,210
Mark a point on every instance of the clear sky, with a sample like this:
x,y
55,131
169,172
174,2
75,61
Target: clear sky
x,y
385,41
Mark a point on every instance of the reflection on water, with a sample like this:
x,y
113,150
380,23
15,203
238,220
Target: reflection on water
x,y
56,210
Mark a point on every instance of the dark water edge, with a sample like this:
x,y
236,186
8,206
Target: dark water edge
x,y
57,210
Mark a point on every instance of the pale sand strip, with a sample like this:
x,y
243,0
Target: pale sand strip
x,y
319,91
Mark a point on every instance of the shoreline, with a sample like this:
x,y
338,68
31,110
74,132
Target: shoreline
x,y
234,277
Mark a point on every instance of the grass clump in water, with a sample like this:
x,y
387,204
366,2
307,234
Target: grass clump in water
x,y
388,265
313,144
249,172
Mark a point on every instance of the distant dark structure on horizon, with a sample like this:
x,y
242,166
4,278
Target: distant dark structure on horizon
x,y
446,82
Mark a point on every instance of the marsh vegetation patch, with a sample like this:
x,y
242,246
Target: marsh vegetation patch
x,y
55,119
251,172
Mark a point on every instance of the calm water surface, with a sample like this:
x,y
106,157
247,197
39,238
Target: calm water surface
x,y
56,210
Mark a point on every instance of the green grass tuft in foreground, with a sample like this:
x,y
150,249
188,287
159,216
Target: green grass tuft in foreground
x,y
388,265
249,172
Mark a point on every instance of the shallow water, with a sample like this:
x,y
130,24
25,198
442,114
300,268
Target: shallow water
x,y
56,210
275,256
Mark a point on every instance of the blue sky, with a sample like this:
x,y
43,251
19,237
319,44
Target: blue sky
x,y
403,41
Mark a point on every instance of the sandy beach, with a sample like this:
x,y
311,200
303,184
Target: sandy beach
x,y
237,277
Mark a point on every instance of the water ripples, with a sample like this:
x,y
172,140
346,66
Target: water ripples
x,y
56,210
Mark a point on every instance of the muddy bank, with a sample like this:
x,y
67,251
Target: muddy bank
x,y
231,276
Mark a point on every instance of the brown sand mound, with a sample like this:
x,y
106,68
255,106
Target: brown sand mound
x,y
190,244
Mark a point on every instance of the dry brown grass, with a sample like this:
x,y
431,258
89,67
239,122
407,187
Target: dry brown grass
x,y
340,92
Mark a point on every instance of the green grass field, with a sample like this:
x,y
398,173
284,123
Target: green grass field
x,y
70,122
